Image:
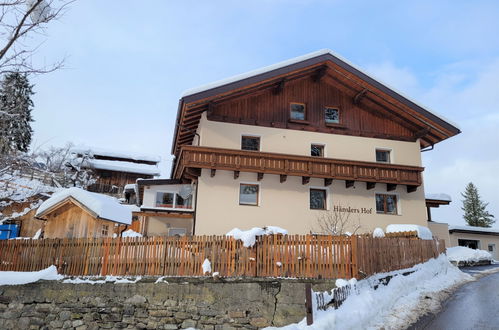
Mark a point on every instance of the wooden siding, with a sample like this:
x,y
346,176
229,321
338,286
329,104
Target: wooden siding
x,y
113,182
273,163
295,256
71,221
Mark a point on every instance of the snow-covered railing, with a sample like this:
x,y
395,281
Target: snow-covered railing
x,y
298,256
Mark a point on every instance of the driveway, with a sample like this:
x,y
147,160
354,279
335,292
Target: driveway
x,y
473,306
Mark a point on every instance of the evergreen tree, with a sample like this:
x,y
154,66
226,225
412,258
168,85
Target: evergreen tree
x,y
474,209
15,113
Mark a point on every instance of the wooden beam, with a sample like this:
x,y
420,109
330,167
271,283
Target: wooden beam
x,y
391,186
213,172
359,96
349,183
259,176
305,179
236,175
279,87
411,189
370,185
283,178
327,182
319,73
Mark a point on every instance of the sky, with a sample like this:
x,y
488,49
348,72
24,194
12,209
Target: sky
x,y
128,62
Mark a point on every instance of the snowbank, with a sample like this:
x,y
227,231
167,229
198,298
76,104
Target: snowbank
x,y
130,233
467,255
249,236
378,232
107,279
104,206
392,306
17,278
423,232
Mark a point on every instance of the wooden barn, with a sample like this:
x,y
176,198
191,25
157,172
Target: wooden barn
x,y
76,213
114,170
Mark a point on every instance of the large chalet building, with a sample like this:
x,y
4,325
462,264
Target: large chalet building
x,y
284,144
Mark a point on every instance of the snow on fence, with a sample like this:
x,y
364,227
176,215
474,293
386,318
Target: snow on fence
x,y
301,256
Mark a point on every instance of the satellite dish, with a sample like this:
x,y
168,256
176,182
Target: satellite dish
x,y
185,192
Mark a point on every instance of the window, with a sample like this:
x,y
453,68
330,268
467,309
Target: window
x,y
173,200
492,247
382,156
317,150
177,232
248,194
297,111
332,115
181,203
386,204
251,143
105,230
318,199
164,199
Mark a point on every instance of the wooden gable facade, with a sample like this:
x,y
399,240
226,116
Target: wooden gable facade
x,y
366,108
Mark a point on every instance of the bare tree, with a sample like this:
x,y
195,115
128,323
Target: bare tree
x,y
334,222
21,20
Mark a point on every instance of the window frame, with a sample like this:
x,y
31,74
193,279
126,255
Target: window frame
x,y
252,136
326,195
257,193
174,206
323,147
304,120
390,155
397,204
105,229
339,116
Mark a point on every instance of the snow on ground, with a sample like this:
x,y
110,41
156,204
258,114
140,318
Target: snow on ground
x,y
107,279
104,206
16,278
249,236
461,253
395,305
130,233
423,232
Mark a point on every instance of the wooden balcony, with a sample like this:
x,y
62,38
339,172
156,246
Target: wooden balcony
x,y
195,157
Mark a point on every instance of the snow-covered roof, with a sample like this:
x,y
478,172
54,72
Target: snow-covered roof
x,y
439,197
113,153
298,59
121,166
105,207
472,228
423,232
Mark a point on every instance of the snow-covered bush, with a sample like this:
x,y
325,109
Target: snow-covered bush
x,y
461,254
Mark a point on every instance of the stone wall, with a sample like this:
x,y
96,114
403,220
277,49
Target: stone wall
x,y
175,303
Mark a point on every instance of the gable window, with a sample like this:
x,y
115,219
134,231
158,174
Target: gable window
x,y
173,200
318,199
382,156
332,115
105,230
317,150
251,143
297,111
248,194
386,203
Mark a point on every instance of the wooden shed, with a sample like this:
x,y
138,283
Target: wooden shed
x,y
75,213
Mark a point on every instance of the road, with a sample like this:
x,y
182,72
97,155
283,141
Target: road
x,y
473,306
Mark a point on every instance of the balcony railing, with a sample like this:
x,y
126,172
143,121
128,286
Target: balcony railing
x,y
285,164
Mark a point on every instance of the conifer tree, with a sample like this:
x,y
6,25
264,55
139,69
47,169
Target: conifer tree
x,y
474,208
15,113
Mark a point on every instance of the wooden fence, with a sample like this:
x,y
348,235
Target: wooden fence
x,y
301,256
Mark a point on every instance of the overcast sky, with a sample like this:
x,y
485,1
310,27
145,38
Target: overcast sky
x,y
129,61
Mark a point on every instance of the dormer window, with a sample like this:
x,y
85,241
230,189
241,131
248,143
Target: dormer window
x,y
297,111
382,156
332,115
251,143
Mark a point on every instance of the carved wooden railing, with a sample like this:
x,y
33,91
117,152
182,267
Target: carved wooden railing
x,y
285,164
